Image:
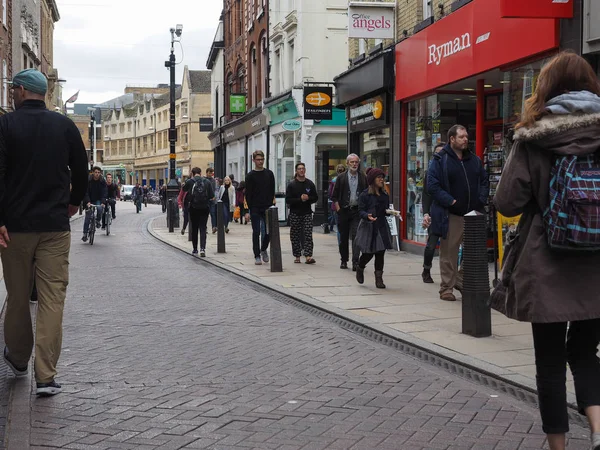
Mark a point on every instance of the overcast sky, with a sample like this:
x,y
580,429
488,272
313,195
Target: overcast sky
x,y
100,46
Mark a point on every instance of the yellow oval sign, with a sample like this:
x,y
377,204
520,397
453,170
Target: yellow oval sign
x,y
377,109
318,99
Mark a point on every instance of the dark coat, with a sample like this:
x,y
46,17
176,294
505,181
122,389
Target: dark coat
x,y
341,190
97,191
450,179
537,284
376,206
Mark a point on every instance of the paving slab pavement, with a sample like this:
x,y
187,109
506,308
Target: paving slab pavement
x,y
408,309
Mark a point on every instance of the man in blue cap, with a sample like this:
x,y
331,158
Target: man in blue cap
x,y
43,178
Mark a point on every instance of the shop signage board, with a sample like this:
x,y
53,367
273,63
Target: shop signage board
x,y
368,114
237,103
558,9
470,41
371,20
244,128
206,124
318,103
292,125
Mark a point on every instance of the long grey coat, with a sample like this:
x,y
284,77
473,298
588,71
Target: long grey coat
x,y
538,285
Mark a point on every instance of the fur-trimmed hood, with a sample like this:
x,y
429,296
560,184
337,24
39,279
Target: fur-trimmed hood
x,y
569,134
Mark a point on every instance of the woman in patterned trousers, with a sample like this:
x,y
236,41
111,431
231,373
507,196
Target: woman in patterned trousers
x,y
301,193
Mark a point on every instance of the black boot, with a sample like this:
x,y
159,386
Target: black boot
x,y
379,279
427,276
360,275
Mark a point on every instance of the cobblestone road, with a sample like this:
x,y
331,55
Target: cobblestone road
x,y
162,351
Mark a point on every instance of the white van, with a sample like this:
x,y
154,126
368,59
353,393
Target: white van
x,y
126,190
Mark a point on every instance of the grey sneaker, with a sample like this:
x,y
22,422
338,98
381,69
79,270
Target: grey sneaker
x,y
595,441
257,261
202,252
265,256
48,389
18,371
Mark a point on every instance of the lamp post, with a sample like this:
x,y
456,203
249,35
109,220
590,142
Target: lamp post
x,y
172,186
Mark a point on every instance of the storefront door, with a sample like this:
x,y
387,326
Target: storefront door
x,y
327,161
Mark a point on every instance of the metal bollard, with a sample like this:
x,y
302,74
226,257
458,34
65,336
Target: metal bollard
x,y
476,312
220,228
170,216
274,239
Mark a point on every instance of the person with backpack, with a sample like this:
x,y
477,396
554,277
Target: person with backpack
x,y
183,200
459,184
550,271
200,191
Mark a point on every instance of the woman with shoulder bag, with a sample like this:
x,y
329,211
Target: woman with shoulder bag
x,y
550,273
373,234
227,196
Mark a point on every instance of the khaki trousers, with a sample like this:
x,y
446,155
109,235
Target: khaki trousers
x,y
451,276
46,255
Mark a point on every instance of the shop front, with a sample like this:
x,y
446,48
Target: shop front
x,y
365,91
240,139
472,68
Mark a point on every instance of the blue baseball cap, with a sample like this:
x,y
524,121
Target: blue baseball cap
x,y
32,80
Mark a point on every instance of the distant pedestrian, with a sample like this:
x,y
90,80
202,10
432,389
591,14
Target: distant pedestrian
x,y
260,196
137,194
550,271
459,184
162,193
240,201
227,196
432,239
373,236
348,187
34,224
210,176
301,193
200,191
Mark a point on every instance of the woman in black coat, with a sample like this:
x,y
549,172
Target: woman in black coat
x,y
373,233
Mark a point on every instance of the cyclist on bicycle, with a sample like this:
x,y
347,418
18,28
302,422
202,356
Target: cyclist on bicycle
x,y
97,193
113,194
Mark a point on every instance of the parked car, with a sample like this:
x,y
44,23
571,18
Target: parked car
x,y
126,191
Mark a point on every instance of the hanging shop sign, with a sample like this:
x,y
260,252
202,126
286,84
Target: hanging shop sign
x,y
292,125
557,9
237,103
318,103
206,124
470,41
371,20
368,114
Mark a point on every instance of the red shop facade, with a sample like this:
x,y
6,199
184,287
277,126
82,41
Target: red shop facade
x,y
474,67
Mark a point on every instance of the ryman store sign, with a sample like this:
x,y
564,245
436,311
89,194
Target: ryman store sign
x,y
371,20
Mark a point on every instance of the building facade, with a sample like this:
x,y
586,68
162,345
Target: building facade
x,y
48,17
136,134
26,40
216,64
6,52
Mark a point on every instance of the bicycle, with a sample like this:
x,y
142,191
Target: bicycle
x,y
92,227
107,217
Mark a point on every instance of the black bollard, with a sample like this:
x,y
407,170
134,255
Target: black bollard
x,y
220,227
170,216
476,312
274,239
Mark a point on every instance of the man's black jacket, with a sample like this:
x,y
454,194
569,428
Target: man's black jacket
x,y
97,191
341,189
41,155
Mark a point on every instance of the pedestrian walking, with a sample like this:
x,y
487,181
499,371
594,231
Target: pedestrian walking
x,y
373,236
184,204
458,183
200,191
550,270
332,218
137,194
35,237
346,191
301,193
240,201
227,196
432,239
260,196
162,193
210,176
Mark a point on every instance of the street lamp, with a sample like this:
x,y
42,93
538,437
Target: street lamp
x,y
172,186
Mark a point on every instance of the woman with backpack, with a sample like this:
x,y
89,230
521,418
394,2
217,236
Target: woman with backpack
x,y
550,271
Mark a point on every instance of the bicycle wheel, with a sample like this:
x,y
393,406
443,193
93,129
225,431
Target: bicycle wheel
x,y
108,222
92,233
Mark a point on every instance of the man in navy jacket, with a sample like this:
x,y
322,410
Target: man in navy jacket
x,y
458,184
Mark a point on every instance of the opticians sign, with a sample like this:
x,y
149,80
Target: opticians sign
x,y
371,20
468,42
556,9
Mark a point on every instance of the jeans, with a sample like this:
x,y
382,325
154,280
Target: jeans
x,y
365,258
348,219
213,215
88,218
227,216
554,347
432,241
259,230
186,216
138,205
199,218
